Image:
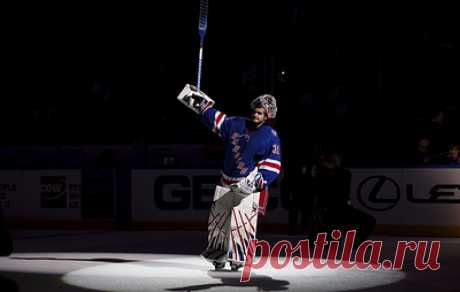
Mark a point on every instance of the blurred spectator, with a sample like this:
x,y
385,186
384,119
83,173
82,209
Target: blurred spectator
x,y
423,153
452,156
331,195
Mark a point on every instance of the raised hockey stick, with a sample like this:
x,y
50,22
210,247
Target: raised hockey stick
x,y
202,25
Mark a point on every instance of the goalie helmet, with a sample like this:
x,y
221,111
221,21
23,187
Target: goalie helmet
x,y
266,101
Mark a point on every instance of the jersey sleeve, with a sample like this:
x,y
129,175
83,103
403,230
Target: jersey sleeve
x,y
217,121
270,165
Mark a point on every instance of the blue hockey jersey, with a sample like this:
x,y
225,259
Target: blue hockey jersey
x,y
246,148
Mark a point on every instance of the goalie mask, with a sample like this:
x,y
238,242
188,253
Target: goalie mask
x,y
266,101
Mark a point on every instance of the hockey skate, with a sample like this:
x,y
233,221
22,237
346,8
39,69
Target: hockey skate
x,y
218,266
235,266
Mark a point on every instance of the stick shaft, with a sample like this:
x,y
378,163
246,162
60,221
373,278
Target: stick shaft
x,y
200,65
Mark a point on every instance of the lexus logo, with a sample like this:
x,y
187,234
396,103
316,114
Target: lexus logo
x,y
379,193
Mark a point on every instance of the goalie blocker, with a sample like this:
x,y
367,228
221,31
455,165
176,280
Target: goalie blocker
x,y
194,99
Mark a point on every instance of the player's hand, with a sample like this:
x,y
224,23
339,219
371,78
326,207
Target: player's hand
x,y
243,187
248,185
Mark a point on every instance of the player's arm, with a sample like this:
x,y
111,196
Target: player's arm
x,y
217,121
269,169
270,165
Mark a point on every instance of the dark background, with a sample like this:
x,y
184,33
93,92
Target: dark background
x,y
362,77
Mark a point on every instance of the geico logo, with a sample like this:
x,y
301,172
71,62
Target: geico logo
x,y
178,192
8,187
183,192
53,188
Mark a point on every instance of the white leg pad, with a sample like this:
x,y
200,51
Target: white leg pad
x,y
232,223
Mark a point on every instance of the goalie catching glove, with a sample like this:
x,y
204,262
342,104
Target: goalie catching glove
x,y
194,99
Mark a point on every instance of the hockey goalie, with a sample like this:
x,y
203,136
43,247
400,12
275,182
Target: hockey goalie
x,y
252,161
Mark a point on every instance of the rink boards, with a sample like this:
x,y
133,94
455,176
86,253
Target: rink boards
x,y
425,201
410,198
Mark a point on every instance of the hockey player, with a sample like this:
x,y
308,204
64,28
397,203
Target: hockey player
x,y
252,161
